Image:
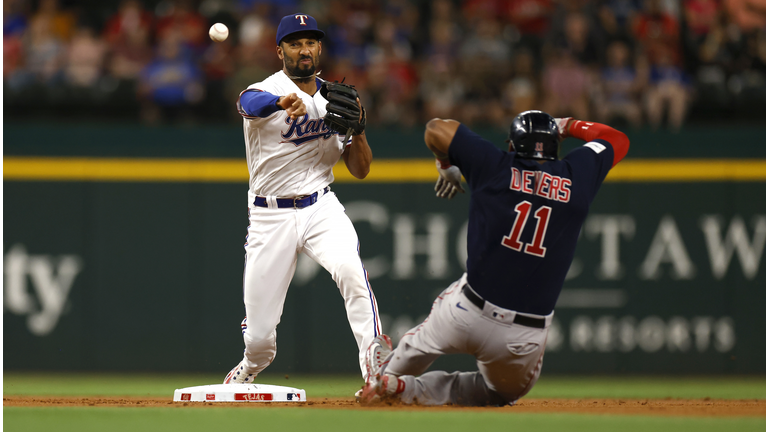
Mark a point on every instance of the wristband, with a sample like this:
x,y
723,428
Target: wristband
x,y
277,103
442,163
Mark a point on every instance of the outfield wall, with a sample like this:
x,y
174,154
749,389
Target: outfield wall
x,y
108,266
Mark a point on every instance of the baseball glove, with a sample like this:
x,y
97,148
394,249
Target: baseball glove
x,y
342,111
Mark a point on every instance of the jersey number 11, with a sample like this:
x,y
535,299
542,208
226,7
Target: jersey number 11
x,y
536,247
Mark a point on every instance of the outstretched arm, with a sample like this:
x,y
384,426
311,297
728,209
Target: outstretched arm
x,y
254,103
438,137
590,131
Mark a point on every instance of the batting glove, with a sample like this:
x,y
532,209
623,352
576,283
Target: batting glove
x,y
449,181
562,126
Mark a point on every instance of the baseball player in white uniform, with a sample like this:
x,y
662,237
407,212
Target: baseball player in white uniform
x,y
291,152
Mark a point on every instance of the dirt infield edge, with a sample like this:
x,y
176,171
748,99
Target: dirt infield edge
x,y
650,407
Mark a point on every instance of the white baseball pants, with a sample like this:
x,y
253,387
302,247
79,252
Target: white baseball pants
x,y
275,238
509,356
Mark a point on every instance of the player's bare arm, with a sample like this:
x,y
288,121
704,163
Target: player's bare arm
x,y
438,137
358,155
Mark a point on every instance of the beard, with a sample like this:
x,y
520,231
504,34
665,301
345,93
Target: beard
x,y
299,71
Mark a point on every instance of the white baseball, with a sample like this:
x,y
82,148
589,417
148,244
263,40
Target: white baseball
x,y
218,32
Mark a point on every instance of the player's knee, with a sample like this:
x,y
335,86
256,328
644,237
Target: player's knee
x,y
258,339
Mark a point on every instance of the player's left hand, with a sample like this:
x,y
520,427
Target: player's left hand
x,y
449,182
344,112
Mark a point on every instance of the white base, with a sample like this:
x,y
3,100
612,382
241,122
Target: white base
x,y
239,393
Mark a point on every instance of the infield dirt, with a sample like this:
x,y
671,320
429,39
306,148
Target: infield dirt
x,y
649,407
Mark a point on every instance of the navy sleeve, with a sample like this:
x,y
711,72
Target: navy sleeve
x,y
589,165
476,157
257,103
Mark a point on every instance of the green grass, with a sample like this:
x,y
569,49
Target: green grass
x,y
650,387
302,418
277,419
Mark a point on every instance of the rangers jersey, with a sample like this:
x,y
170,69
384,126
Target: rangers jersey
x,y
286,158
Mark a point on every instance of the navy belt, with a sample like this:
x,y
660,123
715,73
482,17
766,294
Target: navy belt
x,y
519,319
298,202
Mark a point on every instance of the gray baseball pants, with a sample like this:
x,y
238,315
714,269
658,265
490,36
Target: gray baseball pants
x,y
509,356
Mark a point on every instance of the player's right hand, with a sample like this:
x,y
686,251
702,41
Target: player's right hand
x,y
562,126
449,182
293,106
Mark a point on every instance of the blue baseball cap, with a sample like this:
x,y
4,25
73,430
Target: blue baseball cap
x,y
295,23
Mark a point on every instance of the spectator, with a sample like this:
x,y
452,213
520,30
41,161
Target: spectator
x,y
392,84
440,90
130,19
44,52
85,59
658,32
388,42
486,43
218,61
522,92
566,86
12,57
130,54
577,39
252,64
442,10
531,18
171,83
14,26
441,47
405,16
344,69
185,21
61,22
668,90
619,86
615,17
747,14
440,56
700,16
255,29
485,63
475,11
14,18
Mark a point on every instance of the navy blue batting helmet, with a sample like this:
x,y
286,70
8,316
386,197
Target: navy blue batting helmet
x,y
534,135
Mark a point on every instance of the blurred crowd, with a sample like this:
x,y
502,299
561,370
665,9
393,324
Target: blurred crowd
x,y
640,62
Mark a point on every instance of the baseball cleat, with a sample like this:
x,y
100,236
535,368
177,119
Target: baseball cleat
x,y
359,395
382,387
376,355
238,376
